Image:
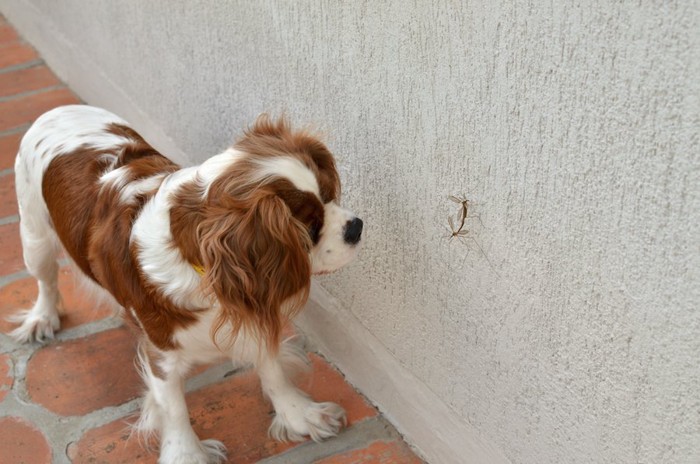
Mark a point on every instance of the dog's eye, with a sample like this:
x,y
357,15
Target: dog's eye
x,y
314,233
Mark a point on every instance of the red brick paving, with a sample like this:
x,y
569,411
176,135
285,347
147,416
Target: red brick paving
x,y
7,34
9,145
324,383
11,249
25,80
111,443
22,293
379,452
22,443
77,377
8,199
6,379
15,53
23,110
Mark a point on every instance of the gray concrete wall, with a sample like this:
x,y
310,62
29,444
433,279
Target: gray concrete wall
x,y
566,326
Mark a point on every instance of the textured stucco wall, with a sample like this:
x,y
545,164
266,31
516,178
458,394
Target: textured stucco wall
x,y
567,327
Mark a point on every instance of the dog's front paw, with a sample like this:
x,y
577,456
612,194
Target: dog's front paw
x,y
319,421
208,452
215,450
324,420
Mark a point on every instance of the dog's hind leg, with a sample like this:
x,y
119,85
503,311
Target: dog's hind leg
x,y
40,250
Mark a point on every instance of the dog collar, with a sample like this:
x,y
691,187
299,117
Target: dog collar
x,y
198,269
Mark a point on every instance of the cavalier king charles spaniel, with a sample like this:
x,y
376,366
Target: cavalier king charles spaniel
x,y
207,262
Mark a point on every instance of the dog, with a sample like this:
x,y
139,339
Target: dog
x,y
206,262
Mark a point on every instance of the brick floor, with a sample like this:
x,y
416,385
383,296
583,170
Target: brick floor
x,y
22,443
79,376
6,379
10,248
8,201
25,109
378,452
74,398
27,80
15,53
7,33
8,149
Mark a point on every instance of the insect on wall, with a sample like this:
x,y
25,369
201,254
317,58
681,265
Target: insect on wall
x,y
458,230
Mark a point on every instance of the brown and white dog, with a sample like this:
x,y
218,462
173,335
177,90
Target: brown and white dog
x,y
208,262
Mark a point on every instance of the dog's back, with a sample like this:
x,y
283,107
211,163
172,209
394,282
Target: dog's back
x,y
70,161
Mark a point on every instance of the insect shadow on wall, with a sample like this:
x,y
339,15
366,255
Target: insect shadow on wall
x,y
457,229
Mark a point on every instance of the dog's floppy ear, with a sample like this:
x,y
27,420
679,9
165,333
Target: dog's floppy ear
x,y
255,256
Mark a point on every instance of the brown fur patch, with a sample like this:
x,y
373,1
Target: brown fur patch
x,y
186,213
276,138
68,181
96,233
254,250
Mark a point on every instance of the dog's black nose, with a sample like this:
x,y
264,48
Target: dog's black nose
x,y
353,231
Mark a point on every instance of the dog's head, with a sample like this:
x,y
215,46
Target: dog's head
x,y
271,220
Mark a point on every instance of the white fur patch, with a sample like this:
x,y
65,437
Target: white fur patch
x,y
56,133
161,262
332,252
212,168
67,128
128,191
288,168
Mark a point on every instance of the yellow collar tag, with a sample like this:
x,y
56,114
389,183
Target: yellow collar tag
x,y
198,269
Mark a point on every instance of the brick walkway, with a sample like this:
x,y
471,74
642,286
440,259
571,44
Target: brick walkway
x,y
71,400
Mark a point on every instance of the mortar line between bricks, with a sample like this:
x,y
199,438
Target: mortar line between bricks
x,y
215,374
90,328
358,436
21,66
8,279
10,346
6,172
9,220
15,130
29,93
